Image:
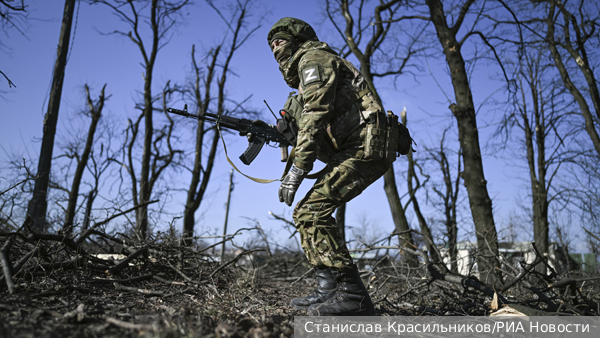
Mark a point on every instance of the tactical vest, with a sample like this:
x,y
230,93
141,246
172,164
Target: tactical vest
x,y
385,137
355,108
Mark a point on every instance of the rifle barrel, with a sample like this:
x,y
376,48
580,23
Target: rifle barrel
x,y
184,113
242,125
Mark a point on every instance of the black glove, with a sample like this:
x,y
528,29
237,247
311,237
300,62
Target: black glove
x,y
290,185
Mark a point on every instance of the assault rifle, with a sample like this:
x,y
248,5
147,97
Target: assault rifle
x,y
261,131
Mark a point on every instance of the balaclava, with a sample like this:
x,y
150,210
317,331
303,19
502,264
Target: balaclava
x,y
296,32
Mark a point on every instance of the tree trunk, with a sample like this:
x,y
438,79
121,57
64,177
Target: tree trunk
x,y
405,236
425,231
141,216
464,112
95,113
36,211
537,177
198,185
227,215
200,173
450,197
196,194
88,210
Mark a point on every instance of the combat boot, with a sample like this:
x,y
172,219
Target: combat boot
x,y
350,299
326,286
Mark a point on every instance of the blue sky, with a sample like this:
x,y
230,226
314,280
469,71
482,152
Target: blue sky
x,y
97,59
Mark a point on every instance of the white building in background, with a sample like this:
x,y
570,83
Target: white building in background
x,y
515,252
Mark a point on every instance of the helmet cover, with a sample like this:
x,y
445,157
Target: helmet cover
x,y
298,29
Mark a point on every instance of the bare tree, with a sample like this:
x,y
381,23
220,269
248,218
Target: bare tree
x,y
207,136
541,112
572,37
95,111
98,165
161,16
414,184
352,35
446,192
36,212
567,33
464,112
581,19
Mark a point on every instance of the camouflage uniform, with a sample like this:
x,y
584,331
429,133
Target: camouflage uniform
x,y
334,100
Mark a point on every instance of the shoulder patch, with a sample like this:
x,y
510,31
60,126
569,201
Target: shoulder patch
x,y
310,74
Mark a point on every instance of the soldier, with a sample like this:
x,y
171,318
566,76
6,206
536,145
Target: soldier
x,y
331,110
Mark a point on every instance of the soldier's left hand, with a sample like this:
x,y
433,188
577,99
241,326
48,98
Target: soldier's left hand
x,y
290,185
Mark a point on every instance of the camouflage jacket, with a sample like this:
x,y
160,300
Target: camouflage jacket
x,y
333,94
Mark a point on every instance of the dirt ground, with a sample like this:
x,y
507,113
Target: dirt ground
x,y
152,299
60,290
80,305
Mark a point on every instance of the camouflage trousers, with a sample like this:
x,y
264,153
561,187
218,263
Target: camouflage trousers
x,y
347,175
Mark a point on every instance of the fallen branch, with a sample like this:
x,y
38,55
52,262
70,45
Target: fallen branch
x,y
570,282
162,280
235,259
67,242
543,297
127,325
73,263
124,281
521,275
21,262
78,313
537,252
83,236
226,238
262,234
140,291
180,272
8,234
101,234
464,281
279,218
125,262
301,277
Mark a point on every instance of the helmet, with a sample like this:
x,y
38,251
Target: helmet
x,y
299,30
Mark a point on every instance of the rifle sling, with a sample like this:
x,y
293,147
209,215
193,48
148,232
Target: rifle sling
x,y
290,161
288,165
258,180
